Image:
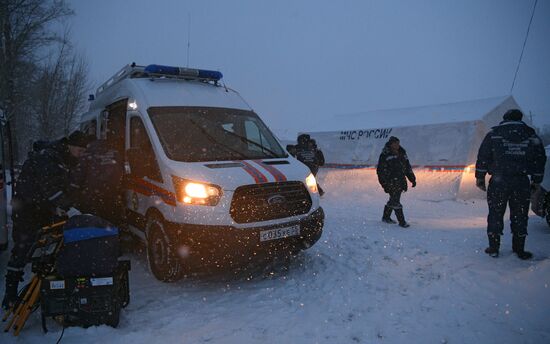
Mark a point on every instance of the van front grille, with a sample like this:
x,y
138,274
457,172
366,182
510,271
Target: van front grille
x,y
262,202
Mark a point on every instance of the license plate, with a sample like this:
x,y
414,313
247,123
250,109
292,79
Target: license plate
x,y
279,233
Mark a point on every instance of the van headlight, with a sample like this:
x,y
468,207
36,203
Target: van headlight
x,y
311,183
191,192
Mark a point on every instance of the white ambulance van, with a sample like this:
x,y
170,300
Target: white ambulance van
x,y
207,183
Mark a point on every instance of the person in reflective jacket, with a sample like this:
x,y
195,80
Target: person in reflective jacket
x,y
510,153
41,193
393,170
307,152
304,152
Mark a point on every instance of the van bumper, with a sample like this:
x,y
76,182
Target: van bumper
x,y
206,245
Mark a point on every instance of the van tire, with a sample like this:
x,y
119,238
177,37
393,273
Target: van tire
x,y
164,262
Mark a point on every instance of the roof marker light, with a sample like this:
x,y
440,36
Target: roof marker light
x,y
181,71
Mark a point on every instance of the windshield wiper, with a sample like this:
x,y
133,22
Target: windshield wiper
x,y
244,139
213,140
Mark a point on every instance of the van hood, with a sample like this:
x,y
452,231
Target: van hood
x,y
229,175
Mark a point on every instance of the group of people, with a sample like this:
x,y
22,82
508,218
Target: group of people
x,y
511,153
76,172
80,172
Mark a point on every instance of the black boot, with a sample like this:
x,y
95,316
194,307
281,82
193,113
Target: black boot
x,y
401,218
12,282
387,213
494,245
518,246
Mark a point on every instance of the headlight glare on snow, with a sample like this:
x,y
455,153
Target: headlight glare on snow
x,y
311,183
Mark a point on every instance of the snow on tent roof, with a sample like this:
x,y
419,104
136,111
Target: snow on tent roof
x,y
432,114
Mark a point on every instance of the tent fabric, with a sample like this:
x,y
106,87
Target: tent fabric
x,y
464,111
438,138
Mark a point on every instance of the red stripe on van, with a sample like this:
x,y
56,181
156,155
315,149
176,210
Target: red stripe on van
x,y
258,176
149,189
278,175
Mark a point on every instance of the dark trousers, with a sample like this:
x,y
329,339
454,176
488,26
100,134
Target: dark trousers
x,y
515,192
395,200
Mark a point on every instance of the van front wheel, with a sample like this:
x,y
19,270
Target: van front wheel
x,y
164,261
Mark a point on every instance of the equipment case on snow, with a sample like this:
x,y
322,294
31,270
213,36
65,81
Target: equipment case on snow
x,y
86,301
84,283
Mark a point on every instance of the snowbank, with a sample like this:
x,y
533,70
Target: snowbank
x,y
364,282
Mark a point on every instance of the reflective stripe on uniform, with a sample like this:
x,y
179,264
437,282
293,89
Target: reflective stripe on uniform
x,y
57,194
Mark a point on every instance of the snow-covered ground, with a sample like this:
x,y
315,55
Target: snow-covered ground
x,y
364,282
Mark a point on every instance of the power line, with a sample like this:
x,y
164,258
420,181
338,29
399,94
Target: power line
x,y
523,48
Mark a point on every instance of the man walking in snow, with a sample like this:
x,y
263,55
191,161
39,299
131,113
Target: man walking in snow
x,y
510,153
393,170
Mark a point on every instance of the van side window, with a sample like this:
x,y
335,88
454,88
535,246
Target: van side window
x,y
139,139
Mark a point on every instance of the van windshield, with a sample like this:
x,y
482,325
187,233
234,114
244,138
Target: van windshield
x,y
194,134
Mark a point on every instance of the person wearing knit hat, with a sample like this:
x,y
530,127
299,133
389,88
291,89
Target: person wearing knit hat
x,y
77,142
393,170
514,156
513,115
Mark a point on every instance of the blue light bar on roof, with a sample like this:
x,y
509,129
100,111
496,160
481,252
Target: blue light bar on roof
x,y
180,71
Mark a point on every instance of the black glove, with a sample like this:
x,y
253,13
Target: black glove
x,y
413,183
480,183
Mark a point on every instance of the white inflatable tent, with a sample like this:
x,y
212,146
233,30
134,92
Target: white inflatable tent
x,y
438,138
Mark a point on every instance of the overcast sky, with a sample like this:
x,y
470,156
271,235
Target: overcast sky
x,y
297,61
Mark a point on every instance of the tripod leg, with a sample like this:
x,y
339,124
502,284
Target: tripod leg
x,y
27,310
16,307
21,303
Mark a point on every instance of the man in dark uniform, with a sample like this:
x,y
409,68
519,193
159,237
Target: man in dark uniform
x,y
306,151
42,192
99,180
510,153
393,170
319,161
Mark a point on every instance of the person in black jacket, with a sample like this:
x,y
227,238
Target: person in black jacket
x,y
304,152
99,180
510,153
319,162
41,193
393,170
307,152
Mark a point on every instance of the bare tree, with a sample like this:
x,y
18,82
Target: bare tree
x,y
60,91
25,29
